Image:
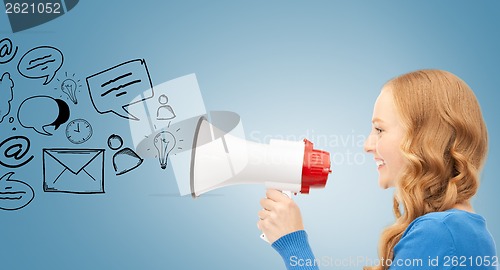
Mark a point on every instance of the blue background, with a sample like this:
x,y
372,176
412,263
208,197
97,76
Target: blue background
x,y
290,69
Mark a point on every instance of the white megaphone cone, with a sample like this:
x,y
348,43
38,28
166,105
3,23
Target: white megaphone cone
x,y
220,159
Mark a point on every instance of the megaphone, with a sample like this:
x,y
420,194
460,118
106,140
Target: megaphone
x,y
215,154
220,159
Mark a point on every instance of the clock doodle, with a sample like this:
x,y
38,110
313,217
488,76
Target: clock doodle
x,y
78,131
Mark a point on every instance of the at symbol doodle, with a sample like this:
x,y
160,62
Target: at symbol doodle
x,y
13,151
6,50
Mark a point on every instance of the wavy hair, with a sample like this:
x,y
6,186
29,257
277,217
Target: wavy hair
x,y
445,146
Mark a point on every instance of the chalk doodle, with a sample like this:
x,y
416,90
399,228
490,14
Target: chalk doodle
x,y
78,131
41,62
13,152
55,113
124,160
117,88
164,112
14,194
164,143
78,171
6,94
69,86
115,142
7,51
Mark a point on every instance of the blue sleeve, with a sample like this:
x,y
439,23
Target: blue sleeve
x,y
425,245
295,250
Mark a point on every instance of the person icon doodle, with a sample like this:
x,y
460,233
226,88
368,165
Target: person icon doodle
x,y
164,112
125,159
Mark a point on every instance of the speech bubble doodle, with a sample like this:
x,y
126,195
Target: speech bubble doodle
x,y
14,194
6,94
41,62
55,113
116,88
13,152
6,51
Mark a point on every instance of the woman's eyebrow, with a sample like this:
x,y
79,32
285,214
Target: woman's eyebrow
x,y
376,119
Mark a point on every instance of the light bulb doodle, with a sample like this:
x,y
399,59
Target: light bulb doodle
x,y
164,143
69,86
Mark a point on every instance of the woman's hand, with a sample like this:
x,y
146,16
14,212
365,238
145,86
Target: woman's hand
x,y
279,216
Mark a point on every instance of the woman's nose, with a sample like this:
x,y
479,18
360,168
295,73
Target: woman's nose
x,y
369,145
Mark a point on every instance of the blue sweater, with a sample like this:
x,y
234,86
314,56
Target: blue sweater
x,y
453,239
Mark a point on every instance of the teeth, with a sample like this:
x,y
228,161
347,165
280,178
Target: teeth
x,y
380,163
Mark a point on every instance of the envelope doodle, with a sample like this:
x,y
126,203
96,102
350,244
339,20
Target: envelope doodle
x,y
79,171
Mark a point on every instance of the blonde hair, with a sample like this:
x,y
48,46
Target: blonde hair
x,y
445,146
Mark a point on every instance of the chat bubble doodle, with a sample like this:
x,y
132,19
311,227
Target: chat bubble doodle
x,y
13,152
7,51
55,113
6,94
116,88
14,194
41,62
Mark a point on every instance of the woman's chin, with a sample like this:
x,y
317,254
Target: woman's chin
x,y
385,183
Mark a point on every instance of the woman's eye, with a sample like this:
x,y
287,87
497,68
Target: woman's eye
x,y
378,130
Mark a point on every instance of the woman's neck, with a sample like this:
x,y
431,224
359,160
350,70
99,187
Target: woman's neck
x,y
465,206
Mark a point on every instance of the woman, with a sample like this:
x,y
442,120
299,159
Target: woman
x,y
429,141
